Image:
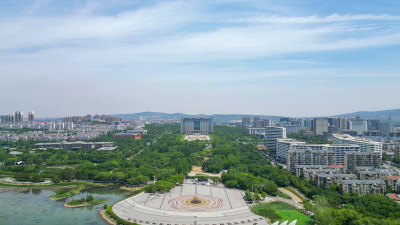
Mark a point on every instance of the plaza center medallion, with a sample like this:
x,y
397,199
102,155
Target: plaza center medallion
x,y
196,203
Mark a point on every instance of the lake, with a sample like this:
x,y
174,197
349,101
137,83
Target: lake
x,y
27,206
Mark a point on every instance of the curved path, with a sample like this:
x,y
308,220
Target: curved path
x,y
220,206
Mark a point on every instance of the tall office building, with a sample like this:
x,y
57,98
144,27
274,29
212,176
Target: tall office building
x,y
320,125
334,121
197,125
19,117
272,134
246,122
385,127
31,116
343,123
360,126
372,124
267,122
5,118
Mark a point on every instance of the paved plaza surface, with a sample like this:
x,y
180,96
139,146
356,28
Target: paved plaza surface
x,y
217,206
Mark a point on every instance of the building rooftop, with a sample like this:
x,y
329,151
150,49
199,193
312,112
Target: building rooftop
x,y
337,175
361,153
363,182
311,150
75,142
336,166
107,148
15,153
311,166
393,177
351,138
394,196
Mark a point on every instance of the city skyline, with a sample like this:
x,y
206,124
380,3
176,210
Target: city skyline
x,y
214,57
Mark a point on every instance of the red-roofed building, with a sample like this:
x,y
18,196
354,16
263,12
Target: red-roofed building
x,y
394,196
336,166
391,180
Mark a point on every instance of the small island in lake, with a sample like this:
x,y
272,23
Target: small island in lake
x,y
89,200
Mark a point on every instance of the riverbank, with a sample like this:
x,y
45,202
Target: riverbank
x,y
104,216
17,203
63,189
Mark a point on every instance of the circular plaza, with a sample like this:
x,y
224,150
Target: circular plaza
x,y
189,204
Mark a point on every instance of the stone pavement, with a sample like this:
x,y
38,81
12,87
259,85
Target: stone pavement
x,y
221,206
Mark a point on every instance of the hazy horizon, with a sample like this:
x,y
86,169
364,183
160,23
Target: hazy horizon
x,y
250,114
286,58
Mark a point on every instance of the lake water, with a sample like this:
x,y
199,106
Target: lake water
x,y
28,206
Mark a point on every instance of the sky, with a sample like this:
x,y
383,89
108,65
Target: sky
x,y
286,57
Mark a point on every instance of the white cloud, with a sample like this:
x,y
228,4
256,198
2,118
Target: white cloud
x,y
314,19
179,51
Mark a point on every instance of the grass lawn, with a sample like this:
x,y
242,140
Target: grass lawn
x,y
64,193
279,211
84,202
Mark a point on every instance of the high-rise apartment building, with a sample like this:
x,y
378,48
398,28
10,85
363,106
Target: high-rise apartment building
x,y
31,116
197,125
365,145
246,122
19,117
5,118
257,122
11,118
309,157
352,160
320,125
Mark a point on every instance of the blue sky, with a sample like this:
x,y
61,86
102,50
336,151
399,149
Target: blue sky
x,y
289,58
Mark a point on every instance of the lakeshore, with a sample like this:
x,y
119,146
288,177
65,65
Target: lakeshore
x,y
32,205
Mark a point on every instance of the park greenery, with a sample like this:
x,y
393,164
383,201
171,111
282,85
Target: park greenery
x,y
89,200
279,211
311,139
66,193
163,155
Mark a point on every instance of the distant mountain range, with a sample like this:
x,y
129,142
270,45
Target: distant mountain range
x,y
177,116
382,115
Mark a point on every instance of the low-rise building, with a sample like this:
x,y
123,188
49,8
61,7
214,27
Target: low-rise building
x,y
136,136
299,169
254,130
363,187
107,149
138,131
392,181
376,174
310,174
326,180
75,145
